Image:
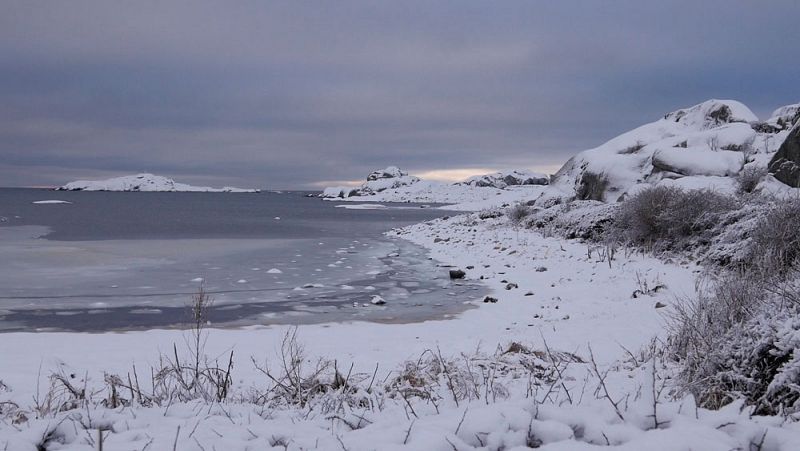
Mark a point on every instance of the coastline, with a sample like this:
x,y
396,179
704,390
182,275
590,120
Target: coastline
x,y
580,307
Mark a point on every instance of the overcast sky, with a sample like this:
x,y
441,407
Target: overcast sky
x,y
299,94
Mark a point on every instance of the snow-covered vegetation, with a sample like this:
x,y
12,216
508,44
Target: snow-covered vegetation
x,y
144,182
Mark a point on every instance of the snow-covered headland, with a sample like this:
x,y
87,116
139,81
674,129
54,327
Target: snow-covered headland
x,y
145,182
395,185
574,348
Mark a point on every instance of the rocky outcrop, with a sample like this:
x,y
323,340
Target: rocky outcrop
x,y
505,179
390,178
694,147
388,173
785,165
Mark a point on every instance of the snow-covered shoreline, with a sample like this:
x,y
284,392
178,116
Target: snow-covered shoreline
x,y
550,293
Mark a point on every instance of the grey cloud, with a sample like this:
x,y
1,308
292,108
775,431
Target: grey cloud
x,y
284,94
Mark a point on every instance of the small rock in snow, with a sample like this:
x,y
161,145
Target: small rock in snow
x,y
457,274
489,299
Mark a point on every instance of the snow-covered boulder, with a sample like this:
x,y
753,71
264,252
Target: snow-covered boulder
x,y
679,162
785,117
712,139
712,113
144,182
505,179
388,173
390,178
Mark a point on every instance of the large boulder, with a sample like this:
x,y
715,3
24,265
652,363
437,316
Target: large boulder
x,y
704,142
785,165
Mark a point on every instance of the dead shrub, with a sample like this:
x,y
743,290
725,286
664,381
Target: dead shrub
x,y
775,242
749,177
663,218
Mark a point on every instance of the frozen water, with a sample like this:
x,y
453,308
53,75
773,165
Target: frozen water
x,y
119,280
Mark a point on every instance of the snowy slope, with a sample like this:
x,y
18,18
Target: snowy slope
x,y
144,182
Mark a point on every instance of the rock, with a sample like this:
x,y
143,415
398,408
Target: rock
x,y
785,165
708,139
660,305
390,178
457,274
511,286
470,267
490,300
389,172
437,240
541,269
377,300
530,293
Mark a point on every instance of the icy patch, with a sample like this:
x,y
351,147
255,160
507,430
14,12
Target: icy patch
x,y
51,201
362,207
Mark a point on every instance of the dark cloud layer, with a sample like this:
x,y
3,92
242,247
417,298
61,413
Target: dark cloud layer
x,y
289,94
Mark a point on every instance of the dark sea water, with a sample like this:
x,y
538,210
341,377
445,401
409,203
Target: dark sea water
x,y
109,261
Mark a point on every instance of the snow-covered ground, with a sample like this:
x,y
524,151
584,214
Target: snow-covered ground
x,y
145,182
551,294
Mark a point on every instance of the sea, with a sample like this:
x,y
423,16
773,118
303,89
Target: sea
x,y
108,261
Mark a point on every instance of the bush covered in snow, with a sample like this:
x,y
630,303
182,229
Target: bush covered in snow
x,y
740,337
663,218
583,219
742,340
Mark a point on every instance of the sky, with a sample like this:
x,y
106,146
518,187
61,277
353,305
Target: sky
x,y
304,94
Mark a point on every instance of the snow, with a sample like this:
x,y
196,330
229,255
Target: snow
x,y
699,161
377,300
362,207
144,182
49,202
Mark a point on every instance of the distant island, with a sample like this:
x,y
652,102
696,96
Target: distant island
x,y
145,182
